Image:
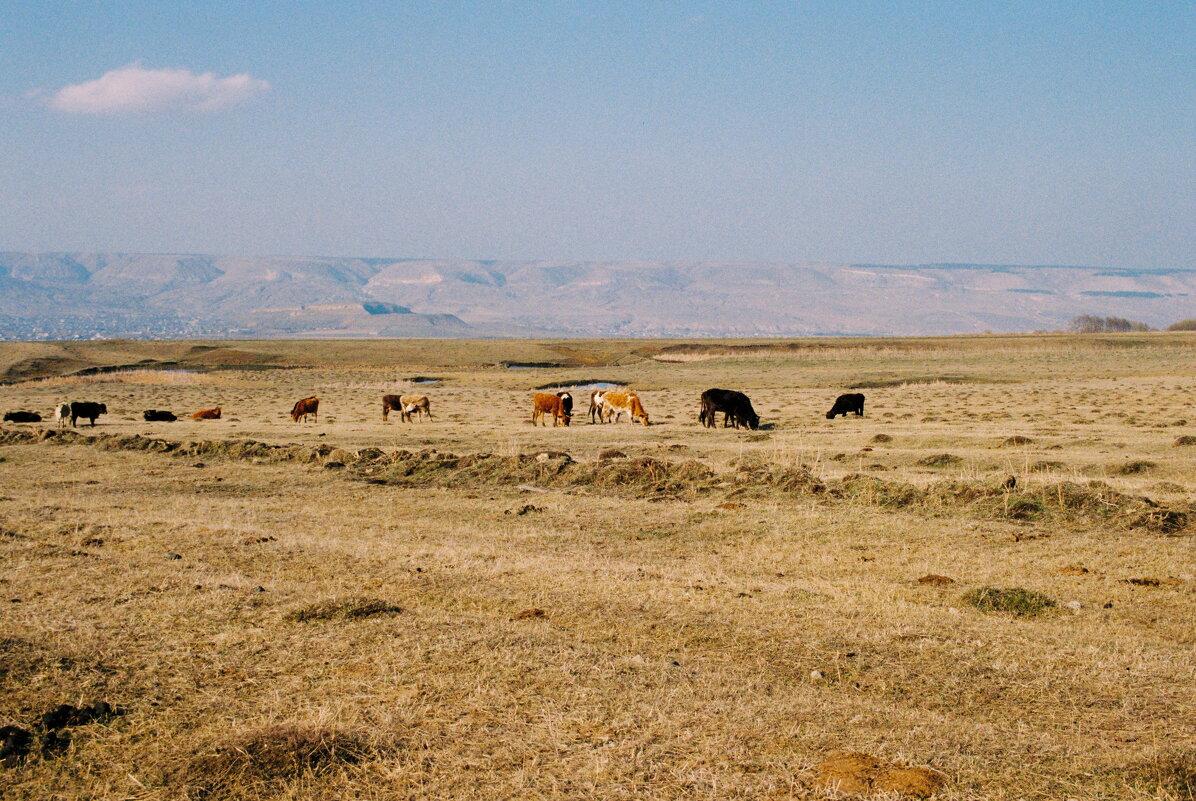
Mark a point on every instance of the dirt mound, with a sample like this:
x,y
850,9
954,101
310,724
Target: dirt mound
x,y
641,474
940,460
1015,441
1093,502
855,772
877,492
754,471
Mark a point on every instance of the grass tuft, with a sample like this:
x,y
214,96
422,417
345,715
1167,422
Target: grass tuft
x,y
1016,601
1171,775
341,609
270,758
940,460
1015,440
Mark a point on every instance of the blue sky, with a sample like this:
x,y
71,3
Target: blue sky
x,y
1012,132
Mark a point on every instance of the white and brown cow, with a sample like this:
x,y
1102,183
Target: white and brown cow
x,y
406,406
619,403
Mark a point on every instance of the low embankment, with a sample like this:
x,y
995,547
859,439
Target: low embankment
x,y
1093,502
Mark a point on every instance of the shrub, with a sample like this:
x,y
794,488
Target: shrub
x,y
1188,324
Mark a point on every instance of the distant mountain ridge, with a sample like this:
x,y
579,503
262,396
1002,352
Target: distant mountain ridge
x,y
72,295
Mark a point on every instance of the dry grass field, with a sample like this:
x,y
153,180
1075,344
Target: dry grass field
x,y
451,609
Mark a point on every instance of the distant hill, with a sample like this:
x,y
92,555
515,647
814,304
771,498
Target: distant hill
x,y
73,295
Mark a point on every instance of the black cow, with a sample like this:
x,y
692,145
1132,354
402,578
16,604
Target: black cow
x,y
158,416
853,402
22,417
566,404
86,410
736,408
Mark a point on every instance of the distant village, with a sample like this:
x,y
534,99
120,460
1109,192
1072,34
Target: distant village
x,y
110,326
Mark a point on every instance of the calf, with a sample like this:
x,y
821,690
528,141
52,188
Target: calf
x,y
303,408
158,416
87,411
556,405
618,403
736,408
417,405
62,414
207,414
853,402
22,417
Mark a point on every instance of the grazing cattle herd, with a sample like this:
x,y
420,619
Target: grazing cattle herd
x,y
606,406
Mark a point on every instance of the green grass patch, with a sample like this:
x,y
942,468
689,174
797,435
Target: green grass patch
x,y
1015,601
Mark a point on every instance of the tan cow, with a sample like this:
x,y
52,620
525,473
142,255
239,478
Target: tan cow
x,y
207,414
618,403
560,406
303,408
406,405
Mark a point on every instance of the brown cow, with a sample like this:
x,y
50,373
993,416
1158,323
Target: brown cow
x,y
305,407
560,406
405,405
207,414
628,403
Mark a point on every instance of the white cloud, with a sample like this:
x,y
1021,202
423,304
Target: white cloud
x,y
134,88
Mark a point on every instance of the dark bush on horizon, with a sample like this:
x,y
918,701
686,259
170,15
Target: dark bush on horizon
x,y
1090,324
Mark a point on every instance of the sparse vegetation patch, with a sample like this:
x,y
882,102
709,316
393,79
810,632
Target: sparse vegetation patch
x,y
270,758
341,609
940,460
1015,601
1172,776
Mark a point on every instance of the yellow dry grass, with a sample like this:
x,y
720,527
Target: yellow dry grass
x,y
722,610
